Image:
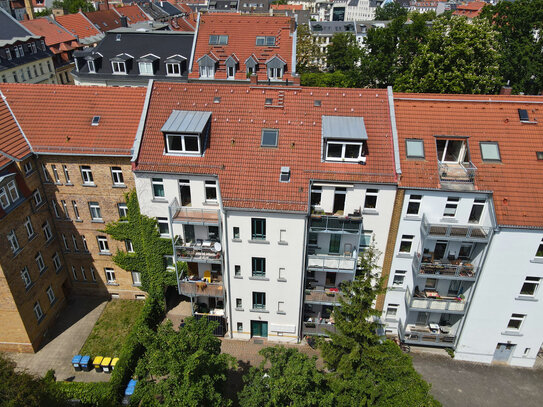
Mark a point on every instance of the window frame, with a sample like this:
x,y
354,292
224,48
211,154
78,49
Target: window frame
x,y
216,39
413,156
158,183
29,227
12,190
209,186
66,174
344,144
406,240
516,317
275,74
265,41
117,176
415,200
171,66
94,209
36,196
258,267
65,241
55,174
47,231
183,150
451,207
400,274
490,143
76,210
163,221
103,244
269,133
389,315
259,300
371,193
38,312
4,198
258,229
38,258
56,261
147,65
25,276
136,282
91,65
116,67
111,278
529,280
86,175
50,295
122,208
28,168
13,241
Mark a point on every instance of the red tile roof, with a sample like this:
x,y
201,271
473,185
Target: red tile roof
x,y
12,142
248,173
242,30
62,124
53,33
133,13
186,24
78,25
516,181
286,6
469,10
105,19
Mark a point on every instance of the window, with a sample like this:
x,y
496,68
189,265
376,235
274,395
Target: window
x,y
316,196
50,295
103,245
239,304
4,200
65,209
8,54
344,151
211,190
230,72
117,176
129,246
76,210
110,276
118,67
36,196
236,232
476,210
240,326
430,284
313,238
45,173
414,148
282,235
93,273
37,311
413,207
65,241
95,212
47,231
55,174
259,300
450,207
259,267
74,273
284,176
66,174
163,226
123,210
237,270
55,208
146,68
86,175
74,240
213,232
33,46
282,275
158,188
265,41
188,231
92,67
269,137
183,143
13,193
530,286
399,278
523,115
392,311
184,190
25,275
136,279
13,242
56,262
258,229
218,40
275,73
490,151
515,323
173,69
28,167
40,262
207,72
371,199
85,246
83,273
29,228
405,243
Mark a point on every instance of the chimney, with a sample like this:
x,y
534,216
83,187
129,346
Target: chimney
x,y
505,90
124,21
254,79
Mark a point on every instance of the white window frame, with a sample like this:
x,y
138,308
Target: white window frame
x,y
414,200
530,281
146,68
66,174
28,167
230,72
51,295
83,273
413,152
371,193
4,200
209,185
13,242
103,244
55,208
123,210
46,177
91,65
29,228
173,69
93,273
65,209
55,173
163,221
76,210
158,182
406,239
400,275
207,72
136,279
392,311
74,273
170,137
86,175
275,74
85,245
129,246
56,262
95,211
118,67
516,317
36,195
47,231
25,275
343,148
117,176
490,148
74,240
39,262
451,207
65,241
38,311
13,192
110,276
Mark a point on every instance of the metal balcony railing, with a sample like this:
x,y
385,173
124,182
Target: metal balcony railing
x,y
444,269
323,223
332,263
201,288
455,231
421,335
457,172
322,296
193,216
440,304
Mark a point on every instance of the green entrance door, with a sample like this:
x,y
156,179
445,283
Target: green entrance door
x,y
259,328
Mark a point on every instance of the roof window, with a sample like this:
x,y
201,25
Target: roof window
x,y
218,40
414,148
265,41
317,103
269,137
95,120
523,115
118,37
217,99
539,155
285,174
268,101
490,151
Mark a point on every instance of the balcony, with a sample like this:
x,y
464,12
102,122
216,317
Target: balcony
x,y
332,263
430,301
443,269
193,216
205,251
472,233
441,336
457,173
318,329
334,224
201,288
325,297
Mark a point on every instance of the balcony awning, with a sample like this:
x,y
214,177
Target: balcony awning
x,y
344,127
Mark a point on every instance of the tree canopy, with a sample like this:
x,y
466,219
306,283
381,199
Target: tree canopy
x,y
73,6
390,11
343,53
308,52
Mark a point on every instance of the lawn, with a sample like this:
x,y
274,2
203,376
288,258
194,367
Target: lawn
x,y
109,332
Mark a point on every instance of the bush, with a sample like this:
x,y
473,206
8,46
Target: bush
x,y
91,394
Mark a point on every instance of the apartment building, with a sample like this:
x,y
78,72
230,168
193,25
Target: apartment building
x,y
238,180
86,170
466,269
33,277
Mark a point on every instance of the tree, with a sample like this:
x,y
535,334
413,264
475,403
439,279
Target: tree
x,y
291,380
184,368
458,57
390,11
337,79
149,248
73,6
343,52
308,52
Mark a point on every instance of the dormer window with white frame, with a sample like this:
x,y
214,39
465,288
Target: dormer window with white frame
x,y
231,67
276,68
146,68
344,139
184,132
206,67
148,64
92,67
183,143
118,67
173,69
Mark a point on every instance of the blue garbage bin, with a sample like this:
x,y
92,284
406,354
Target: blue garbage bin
x,y
85,363
76,362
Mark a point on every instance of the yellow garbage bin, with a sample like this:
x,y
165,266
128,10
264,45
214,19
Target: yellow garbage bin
x,y
97,363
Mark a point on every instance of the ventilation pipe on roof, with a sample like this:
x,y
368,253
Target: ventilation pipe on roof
x,y
124,21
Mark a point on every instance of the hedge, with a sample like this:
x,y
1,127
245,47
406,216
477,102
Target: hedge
x,y
91,394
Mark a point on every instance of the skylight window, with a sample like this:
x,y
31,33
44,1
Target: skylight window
x,y
265,41
95,120
269,137
218,40
490,151
539,155
118,37
268,101
217,99
285,174
414,148
317,103
523,115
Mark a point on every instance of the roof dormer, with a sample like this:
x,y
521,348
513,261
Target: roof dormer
x,y
276,67
207,65
121,63
344,139
186,132
251,64
232,64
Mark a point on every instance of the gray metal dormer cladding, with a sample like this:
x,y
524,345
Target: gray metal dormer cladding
x,y
94,59
207,61
276,62
251,63
344,138
232,61
186,132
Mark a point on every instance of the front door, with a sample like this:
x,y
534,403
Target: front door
x,y
503,352
259,328
439,250
339,200
335,240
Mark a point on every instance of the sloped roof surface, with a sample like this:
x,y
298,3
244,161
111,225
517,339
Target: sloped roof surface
x,y
10,28
53,33
105,20
78,25
516,181
12,141
62,124
133,13
248,173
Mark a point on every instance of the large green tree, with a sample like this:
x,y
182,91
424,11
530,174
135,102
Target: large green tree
x,y
285,377
457,57
73,6
308,52
343,52
184,368
390,11
149,248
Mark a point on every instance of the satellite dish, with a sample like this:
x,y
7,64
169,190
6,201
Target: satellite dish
x,y
217,247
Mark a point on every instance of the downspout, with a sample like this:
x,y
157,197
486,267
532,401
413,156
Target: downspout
x,y
194,43
395,143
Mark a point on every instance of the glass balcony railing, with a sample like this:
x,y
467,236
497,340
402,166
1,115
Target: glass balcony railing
x,y
424,302
455,231
332,263
334,224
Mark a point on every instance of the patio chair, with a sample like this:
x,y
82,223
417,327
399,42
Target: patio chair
x,y
207,276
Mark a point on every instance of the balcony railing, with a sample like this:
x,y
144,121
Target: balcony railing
x,y
444,269
440,304
193,216
322,296
324,223
457,172
204,252
421,335
319,329
455,231
201,288
332,263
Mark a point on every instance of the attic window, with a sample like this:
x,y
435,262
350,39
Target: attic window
x,y
268,101
316,103
285,174
217,99
539,155
218,40
490,151
523,115
414,148
118,37
265,41
269,137
95,120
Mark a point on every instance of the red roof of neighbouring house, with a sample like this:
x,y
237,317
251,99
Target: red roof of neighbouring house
x,y
248,173
13,144
469,10
105,19
54,34
516,181
242,30
78,25
183,24
62,124
286,6
133,13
